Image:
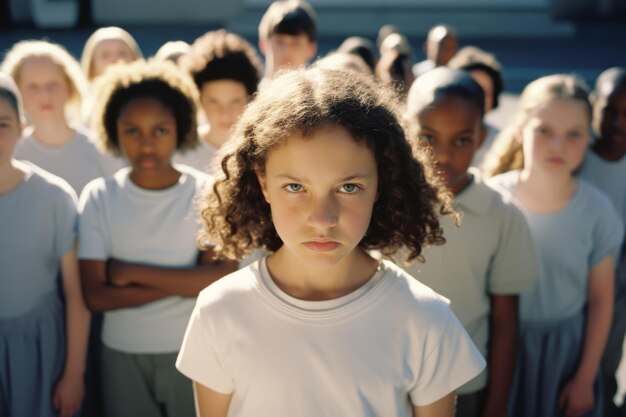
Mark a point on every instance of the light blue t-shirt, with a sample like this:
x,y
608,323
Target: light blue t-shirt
x,y
123,221
609,177
77,162
570,242
38,221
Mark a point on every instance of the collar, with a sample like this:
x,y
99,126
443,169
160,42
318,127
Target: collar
x,y
476,197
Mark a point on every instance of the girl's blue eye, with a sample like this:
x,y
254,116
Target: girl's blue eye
x,y
349,188
294,188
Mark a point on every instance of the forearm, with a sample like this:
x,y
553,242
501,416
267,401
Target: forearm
x,y
77,335
101,296
599,316
184,282
502,356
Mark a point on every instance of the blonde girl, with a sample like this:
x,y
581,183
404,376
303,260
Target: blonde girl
x,y
565,319
53,87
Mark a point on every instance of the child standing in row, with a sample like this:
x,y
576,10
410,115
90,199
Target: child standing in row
x,y
42,346
605,167
105,47
565,319
227,71
287,36
52,87
445,111
138,256
321,172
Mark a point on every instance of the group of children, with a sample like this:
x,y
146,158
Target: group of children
x,y
233,239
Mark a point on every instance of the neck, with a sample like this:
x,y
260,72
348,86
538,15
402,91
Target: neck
x,y
545,192
53,132
155,180
325,283
213,139
10,176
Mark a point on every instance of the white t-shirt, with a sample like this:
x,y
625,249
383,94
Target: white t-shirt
x,y
391,343
123,221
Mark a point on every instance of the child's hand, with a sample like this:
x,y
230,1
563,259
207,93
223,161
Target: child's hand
x,y
68,395
576,397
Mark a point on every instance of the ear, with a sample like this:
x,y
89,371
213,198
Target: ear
x,y
263,184
262,45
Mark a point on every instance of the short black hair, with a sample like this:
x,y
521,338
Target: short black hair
x,y
443,81
289,17
362,47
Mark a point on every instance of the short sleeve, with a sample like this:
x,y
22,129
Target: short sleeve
x,y
65,221
198,359
608,233
92,231
451,361
515,263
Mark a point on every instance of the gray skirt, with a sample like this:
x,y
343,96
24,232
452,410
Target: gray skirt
x,y
548,358
32,353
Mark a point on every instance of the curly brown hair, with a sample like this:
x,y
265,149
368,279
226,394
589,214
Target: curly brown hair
x,y
237,218
221,55
162,80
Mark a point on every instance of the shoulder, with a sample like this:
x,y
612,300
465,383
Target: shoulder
x,y
593,196
504,183
199,179
232,290
99,188
46,184
419,301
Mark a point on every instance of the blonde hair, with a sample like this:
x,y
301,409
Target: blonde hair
x,y
102,34
58,55
506,153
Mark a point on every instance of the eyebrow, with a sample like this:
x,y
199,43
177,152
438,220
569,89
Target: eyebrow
x,y
130,122
7,118
357,176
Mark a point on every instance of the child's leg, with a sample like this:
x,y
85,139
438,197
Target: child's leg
x,y
126,385
172,389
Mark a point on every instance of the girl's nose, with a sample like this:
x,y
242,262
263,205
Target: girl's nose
x,y
324,213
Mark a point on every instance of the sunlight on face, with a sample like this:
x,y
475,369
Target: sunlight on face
x,y
556,135
45,89
321,190
110,51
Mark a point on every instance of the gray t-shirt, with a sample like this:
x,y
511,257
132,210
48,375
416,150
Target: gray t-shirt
x,y
491,253
37,227
570,242
77,162
123,221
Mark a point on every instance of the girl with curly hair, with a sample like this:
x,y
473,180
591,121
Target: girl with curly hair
x,y
565,318
139,261
319,174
